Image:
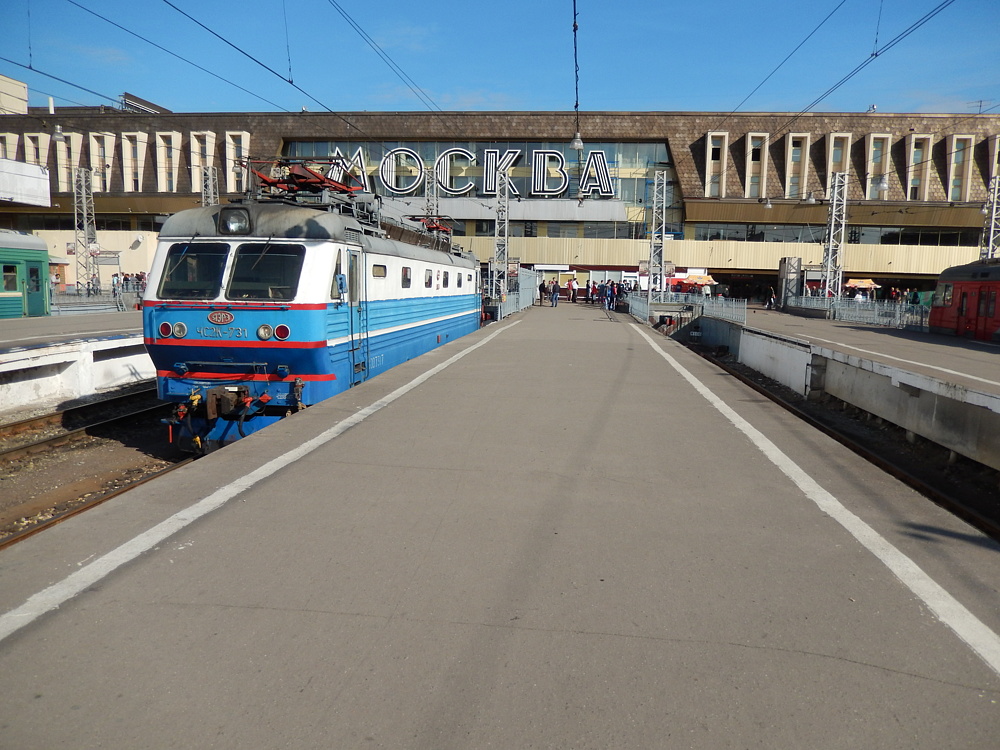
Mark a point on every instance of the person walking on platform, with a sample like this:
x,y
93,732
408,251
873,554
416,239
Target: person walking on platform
x,y
542,292
555,292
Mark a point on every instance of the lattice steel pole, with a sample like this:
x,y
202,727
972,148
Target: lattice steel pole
x,y
501,238
86,227
836,228
209,186
657,229
989,243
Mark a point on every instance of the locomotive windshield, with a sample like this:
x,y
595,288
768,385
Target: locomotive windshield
x,y
193,270
266,271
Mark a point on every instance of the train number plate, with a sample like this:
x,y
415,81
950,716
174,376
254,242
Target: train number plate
x,y
217,332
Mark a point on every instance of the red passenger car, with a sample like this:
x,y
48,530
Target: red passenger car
x,y
965,301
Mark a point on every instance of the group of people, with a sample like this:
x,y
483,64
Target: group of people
x,y
128,283
604,293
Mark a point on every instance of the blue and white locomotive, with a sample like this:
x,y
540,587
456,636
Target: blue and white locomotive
x,y
257,309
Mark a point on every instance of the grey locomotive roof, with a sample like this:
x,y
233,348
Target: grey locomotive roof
x,y
277,220
283,221
12,240
979,269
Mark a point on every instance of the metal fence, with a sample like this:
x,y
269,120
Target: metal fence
x,y
711,307
73,304
521,292
874,313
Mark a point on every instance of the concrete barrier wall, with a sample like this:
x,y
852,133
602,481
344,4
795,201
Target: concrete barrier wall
x,y
960,419
55,374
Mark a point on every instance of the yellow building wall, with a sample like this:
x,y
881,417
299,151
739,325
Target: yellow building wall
x,y
724,255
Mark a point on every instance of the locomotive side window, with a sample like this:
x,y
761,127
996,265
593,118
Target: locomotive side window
x,y
193,270
991,305
458,280
407,278
263,270
335,292
10,278
444,281
353,280
943,295
428,278
378,271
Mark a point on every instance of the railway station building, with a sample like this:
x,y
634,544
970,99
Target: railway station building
x,y
741,191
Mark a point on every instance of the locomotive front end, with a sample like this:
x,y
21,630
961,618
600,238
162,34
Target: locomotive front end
x,y
234,323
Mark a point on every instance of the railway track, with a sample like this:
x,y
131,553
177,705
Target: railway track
x,y
31,448
51,517
82,416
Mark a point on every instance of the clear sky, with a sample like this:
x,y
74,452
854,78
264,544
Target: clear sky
x,y
642,55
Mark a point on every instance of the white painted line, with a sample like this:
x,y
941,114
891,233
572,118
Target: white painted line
x,y
131,330
906,361
59,593
983,641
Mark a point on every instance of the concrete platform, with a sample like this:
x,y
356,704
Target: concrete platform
x,y
48,362
557,532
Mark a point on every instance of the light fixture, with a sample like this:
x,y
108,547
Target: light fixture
x,y
234,220
811,199
766,202
58,136
577,143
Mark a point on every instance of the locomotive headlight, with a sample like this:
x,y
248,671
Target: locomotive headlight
x,y
166,329
180,330
282,332
264,332
234,221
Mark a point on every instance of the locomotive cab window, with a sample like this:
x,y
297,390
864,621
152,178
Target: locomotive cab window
x,y
378,271
193,270
10,278
943,295
264,270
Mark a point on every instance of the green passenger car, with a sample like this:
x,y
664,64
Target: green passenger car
x,y
24,262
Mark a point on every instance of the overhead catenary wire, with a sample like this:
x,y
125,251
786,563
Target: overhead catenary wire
x,y
174,54
61,80
857,69
781,64
393,66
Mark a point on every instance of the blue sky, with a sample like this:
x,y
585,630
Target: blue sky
x,y
517,55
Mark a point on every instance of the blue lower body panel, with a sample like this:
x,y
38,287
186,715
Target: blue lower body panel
x,y
219,408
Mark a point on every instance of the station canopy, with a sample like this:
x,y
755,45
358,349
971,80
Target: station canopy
x,y
862,284
700,280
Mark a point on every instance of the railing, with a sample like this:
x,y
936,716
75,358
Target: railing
x,y
73,304
522,294
638,306
874,313
710,307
